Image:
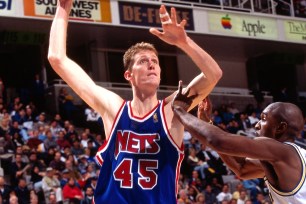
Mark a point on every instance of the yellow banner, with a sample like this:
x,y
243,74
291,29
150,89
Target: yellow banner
x,y
295,31
242,25
82,10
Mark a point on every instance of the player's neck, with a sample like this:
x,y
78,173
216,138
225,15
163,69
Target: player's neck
x,y
141,107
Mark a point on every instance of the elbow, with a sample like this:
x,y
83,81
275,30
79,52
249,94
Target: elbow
x,y
54,59
218,75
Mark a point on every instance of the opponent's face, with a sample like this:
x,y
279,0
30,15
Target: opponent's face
x,y
267,125
145,70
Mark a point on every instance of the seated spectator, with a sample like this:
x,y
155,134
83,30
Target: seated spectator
x,y
76,148
195,163
243,196
72,192
22,192
57,164
5,191
83,179
252,186
225,194
55,128
50,185
50,142
88,199
200,198
61,141
92,182
210,196
18,169
183,198
33,142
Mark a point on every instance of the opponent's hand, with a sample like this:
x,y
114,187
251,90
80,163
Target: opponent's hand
x,y
173,32
182,100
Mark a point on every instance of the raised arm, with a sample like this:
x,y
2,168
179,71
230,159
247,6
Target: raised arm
x,y
175,34
243,167
97,97
262,148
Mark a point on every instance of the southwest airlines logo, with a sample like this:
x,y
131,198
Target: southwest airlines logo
x,y
226,22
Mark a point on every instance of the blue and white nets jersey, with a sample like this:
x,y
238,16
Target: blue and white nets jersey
x,y
298,194
140,162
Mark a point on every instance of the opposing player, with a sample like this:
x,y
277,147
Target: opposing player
x,y
141,158
272,155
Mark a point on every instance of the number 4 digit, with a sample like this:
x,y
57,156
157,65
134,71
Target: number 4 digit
x,y
123,173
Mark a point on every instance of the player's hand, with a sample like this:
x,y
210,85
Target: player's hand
x,y
173,32
205,109
182,100
66,4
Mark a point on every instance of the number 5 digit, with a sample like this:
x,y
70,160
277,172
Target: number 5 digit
x,y
148,177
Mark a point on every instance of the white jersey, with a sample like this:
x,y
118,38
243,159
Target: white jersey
x,y
298,194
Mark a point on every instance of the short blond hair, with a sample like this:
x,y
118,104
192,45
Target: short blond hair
x,y
128,57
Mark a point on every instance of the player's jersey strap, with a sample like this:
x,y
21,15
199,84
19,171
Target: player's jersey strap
x,y
296,195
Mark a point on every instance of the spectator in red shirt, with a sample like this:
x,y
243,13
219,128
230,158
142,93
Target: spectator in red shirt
x,y
72,192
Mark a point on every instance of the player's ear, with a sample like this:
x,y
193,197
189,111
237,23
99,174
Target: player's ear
x,y
128,75
282,127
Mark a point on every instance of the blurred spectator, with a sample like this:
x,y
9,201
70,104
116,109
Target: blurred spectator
x,y
22,192
88,199
83,179
252,185
5,191
73,170
200,198
13,198
61,141
50,185
18,169
183,197
33,142
225,194
72,192
50,141
195,163
55,128
242,197
66,105
76,148
3,91
37,91
92,182
92,120
57,163
236,193
33,197
300,8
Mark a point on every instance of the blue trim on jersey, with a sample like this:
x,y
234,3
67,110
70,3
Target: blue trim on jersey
x,y
140,161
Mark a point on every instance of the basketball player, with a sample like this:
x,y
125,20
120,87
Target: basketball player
x,y
272,155
141,157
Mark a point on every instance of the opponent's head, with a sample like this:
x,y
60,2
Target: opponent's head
x,y
281,121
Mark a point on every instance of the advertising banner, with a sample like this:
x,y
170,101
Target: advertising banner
x,y
242,25
82,10
8,7
295,31
141,14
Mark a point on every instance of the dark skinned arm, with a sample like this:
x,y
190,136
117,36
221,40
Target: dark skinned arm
x,y
244,168
233,148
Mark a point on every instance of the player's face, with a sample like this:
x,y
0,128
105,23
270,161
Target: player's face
x,y
266,126
146,69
